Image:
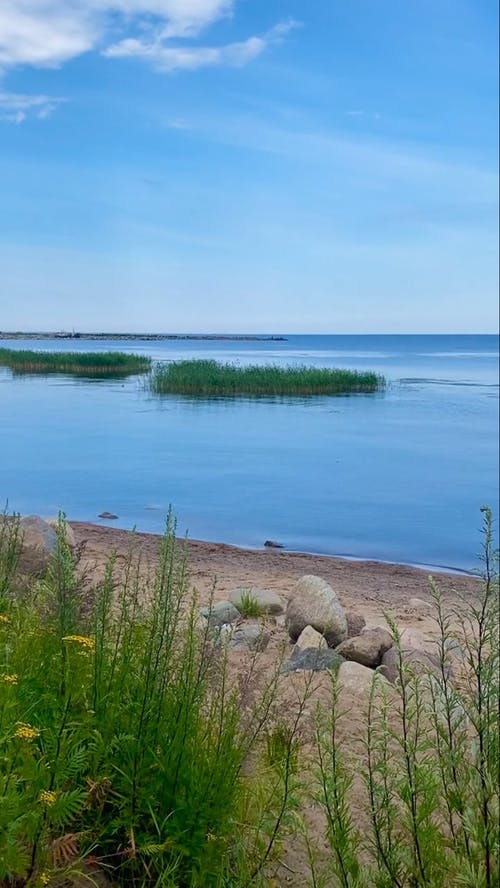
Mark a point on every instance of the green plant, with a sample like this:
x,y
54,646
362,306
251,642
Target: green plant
x,y
432,760
93,364
122,742
249,606
212,379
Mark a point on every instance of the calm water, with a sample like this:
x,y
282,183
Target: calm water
x,y
397,476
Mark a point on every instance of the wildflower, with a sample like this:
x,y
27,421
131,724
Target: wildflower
x,y
47,798
26,732
9,679
4,619
44,878
87,644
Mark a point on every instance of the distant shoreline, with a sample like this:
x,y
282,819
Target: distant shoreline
x,y
146,337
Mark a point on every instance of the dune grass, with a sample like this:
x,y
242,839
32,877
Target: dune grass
x,y
214,379
79,363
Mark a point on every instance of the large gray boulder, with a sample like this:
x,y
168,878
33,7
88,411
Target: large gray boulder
x,y
367,648
38,545
314,603
267,601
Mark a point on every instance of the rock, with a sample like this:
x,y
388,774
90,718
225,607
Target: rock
x,y
314,603
39,544
250,637
310,639
312,659
419,662
415,639
357,678
69,533
367,648
420,605
355,623
220,613
108,516
267,600
272,544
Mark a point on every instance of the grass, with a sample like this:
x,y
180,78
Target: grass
x,y
249,606
78,363
213,379
126,748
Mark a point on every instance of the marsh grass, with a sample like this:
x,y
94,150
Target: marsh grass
x,y
213,379
93,364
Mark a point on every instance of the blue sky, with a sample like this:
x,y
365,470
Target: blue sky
x,y
255,165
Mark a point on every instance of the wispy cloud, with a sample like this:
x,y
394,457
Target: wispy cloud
x,y
17,107
164,56
47,33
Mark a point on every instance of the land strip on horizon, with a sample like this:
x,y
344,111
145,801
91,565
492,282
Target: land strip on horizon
x,y
148,337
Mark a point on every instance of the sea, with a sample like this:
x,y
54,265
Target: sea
x,y
397,476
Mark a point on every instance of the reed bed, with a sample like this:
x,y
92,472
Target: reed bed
x,y
213,379
80,363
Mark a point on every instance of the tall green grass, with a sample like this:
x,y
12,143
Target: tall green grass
x,y
213,379
78,363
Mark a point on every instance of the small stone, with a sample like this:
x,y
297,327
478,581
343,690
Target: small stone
x,y
109,516
314,660
310,639
367,648
272,544
220,613
314,603
250,637
355,623
267,600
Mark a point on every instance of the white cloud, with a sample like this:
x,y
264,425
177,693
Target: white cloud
x,y
17,107
165,56
47,33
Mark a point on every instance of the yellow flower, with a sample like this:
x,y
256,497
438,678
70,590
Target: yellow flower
x,y
83,641
47,798
44,878
26,732
4,619
9,679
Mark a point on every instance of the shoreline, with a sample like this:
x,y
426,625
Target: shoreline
x,y
374,586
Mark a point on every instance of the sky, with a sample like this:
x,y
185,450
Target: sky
x,y
249,166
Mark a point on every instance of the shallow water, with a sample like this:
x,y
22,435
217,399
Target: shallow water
x,y
396,476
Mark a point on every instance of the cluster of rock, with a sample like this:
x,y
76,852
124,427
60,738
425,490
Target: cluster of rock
x,y
325,635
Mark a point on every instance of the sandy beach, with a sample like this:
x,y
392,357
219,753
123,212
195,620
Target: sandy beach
x,y
369,588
